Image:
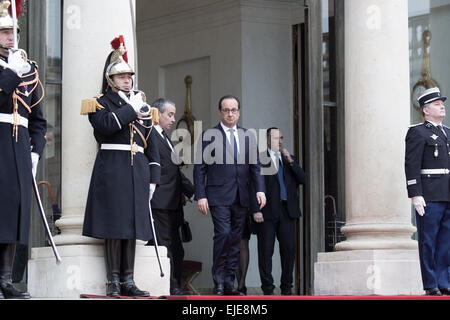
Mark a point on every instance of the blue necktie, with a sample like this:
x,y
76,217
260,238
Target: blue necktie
x,y
283,195
233,143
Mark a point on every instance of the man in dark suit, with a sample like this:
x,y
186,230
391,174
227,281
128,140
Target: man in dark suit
x,y
167,201
229,162
427,159
282,175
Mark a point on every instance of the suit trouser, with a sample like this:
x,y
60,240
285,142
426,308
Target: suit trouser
x,y
433,231
167,223
283,228
228,227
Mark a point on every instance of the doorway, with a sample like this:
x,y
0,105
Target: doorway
x,y
318,71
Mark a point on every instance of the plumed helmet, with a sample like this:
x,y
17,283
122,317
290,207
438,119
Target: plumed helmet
x,y
118,60
6,20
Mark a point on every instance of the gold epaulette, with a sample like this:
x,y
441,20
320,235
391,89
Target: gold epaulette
x,y
90,105
154,115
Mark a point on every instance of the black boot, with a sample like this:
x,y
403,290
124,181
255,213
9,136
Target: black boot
x,y
7,251
112,260
127,271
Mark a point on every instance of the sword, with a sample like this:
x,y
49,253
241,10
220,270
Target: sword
x,y
14,17
44,220
155,241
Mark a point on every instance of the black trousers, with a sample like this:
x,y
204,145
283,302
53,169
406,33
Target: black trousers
x,y
167,224
283,229
228,227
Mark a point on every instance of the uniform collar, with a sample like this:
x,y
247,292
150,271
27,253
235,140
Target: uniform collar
x,y
115,98
434,124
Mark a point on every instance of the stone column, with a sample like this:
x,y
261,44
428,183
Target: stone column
x,y
378,255
89,27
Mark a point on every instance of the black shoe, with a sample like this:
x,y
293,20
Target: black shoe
x,y
243,290
219,290
445,291
180,292
287,292
129,289
433,292
9,292
113,289
268,293
232,291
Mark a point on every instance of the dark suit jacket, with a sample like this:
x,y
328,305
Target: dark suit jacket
x,y
293,176
220,180
173,184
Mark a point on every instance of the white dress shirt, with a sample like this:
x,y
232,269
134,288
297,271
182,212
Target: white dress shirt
x,y
227,132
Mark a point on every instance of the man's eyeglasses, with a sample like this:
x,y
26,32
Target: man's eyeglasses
x,y
232,111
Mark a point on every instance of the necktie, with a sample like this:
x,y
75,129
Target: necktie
x,y
283,194
167,139
442,129
233,143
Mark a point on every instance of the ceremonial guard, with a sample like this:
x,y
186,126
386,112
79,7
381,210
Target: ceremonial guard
x,y
427,164
22,141
125,174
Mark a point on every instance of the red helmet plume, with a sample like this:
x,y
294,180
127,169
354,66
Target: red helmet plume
x,y
18,8
115,44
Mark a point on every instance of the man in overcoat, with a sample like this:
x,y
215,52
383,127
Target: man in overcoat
x,y
22,141
125,174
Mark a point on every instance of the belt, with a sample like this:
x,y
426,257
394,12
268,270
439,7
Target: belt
x,y
435,171
121,147
8,118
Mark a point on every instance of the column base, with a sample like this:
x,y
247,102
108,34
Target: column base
x,y
82,271
366,272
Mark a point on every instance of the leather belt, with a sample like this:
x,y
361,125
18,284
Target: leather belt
x,y
9,118
120,147
435,171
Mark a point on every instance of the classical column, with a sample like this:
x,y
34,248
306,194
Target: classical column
x,y
378,255
89,27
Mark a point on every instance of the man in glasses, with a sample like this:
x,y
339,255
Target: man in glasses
x,y
222,186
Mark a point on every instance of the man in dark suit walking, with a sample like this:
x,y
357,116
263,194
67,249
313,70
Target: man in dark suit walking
x,y
282,175
229,163
167,201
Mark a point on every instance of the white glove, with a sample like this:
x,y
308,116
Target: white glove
x,y
141,108
34,163
152,190
17,63
419,204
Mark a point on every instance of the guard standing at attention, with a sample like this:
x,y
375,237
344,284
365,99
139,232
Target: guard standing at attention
x,y
22,141
427,164
125,174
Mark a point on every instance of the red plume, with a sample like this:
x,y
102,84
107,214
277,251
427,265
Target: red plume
x,y
18,8
115,44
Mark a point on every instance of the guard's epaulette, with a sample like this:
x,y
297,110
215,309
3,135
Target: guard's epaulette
x,y
154,115
415,125
90,105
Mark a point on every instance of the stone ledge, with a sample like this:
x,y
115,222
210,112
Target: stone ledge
x,y
82,270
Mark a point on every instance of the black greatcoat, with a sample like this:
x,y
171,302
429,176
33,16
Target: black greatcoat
x,y
118,200
15,157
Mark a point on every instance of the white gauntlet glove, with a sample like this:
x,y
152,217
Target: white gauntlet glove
x,y
152,190
34,163
17,63
141,108
419,204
